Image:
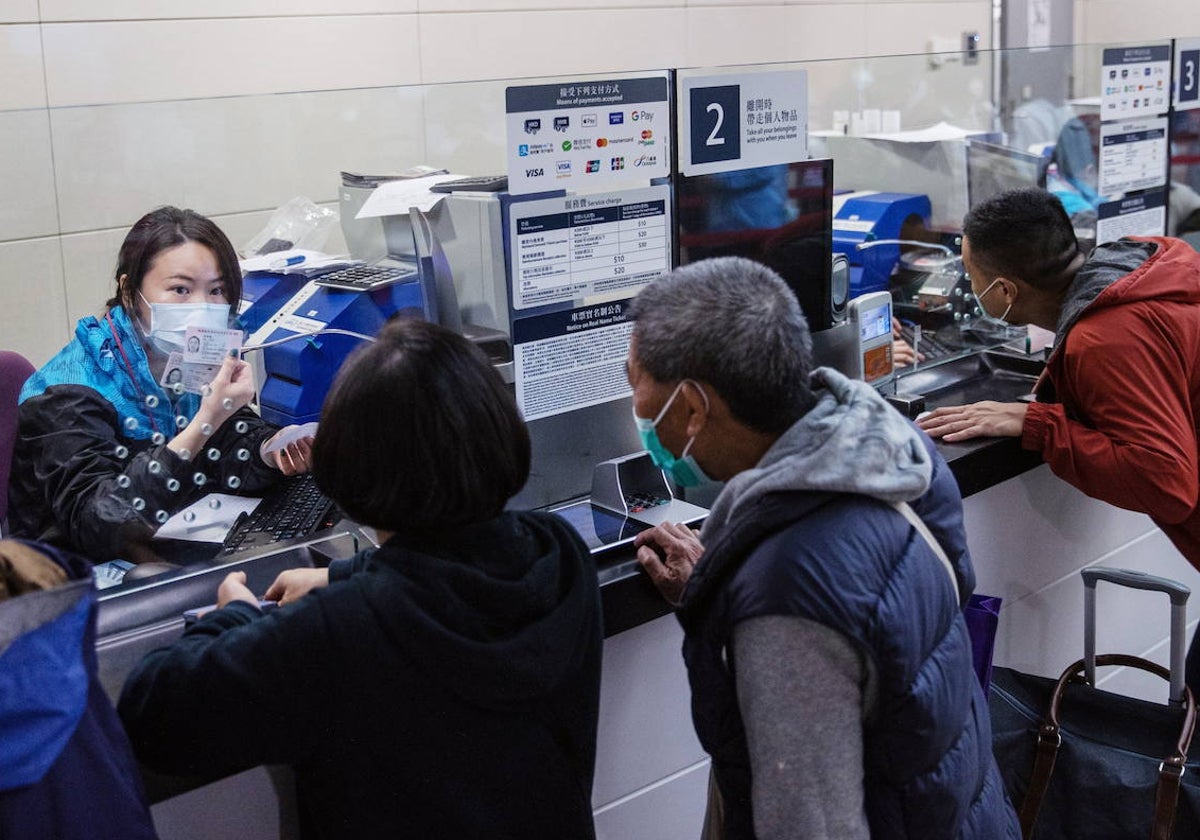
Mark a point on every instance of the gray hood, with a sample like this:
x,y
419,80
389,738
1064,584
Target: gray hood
x,y
1107,264
852,441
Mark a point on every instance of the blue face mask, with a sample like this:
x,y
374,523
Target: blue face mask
x,y
683,470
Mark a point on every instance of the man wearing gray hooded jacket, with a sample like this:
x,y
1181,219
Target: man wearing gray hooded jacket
x,y
829,663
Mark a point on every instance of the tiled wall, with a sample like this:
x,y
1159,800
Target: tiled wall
x,y
234,106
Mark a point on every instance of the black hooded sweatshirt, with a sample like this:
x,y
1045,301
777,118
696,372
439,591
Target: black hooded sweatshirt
x,y
446,688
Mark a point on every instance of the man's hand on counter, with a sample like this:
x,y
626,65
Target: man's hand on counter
x,y
668,552
954,423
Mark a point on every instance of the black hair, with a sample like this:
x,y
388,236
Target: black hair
x,y
419,433
1025,234
733,323
164,228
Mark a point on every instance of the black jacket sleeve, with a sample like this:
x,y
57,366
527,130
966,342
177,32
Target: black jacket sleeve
x,y
230,693
78,475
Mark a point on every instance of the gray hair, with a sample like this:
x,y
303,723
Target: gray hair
x,y
735,324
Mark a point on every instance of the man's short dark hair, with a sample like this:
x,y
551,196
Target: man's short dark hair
x,y
1024,234
735,324
420,433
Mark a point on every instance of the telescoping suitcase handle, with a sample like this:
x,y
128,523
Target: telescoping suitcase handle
x,y
1049,738
1177,592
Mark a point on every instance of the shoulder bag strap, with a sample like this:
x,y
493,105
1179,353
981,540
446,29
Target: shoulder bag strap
x,y
911,515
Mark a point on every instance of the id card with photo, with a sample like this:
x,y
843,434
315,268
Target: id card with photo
x,y
208,346
192,377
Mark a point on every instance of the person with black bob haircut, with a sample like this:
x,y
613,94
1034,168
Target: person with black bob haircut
x,y
110,442
444,685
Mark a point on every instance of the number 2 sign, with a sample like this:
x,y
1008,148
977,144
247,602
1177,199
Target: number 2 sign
x,y
716,123
743,120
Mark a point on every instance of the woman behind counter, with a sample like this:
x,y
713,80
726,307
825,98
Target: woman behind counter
x,y
109,445
445,685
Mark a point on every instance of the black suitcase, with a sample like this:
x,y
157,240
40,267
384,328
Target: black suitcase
x,y
1080,762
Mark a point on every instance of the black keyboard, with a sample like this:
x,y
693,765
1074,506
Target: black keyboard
x,y
364,278
931,348
294,508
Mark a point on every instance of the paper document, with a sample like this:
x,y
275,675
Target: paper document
x,y
941,131
288,435
201,521
295,261
396,197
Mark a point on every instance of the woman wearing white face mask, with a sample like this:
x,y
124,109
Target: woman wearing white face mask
x,y
110,443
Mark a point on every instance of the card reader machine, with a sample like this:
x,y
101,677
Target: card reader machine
x,y
871,318
629,495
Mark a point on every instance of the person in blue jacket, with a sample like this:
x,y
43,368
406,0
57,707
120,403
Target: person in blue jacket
x,y
829,662
66,769
110,443
445,685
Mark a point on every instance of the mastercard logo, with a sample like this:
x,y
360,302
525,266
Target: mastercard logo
x,y
601,142
647,134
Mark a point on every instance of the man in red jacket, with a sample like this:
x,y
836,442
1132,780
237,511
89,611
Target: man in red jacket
x,y
1118,404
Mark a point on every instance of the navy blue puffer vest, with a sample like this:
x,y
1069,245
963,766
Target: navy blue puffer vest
x,y
855,565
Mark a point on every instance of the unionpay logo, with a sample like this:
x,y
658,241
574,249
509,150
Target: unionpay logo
x,y
593,166
616,117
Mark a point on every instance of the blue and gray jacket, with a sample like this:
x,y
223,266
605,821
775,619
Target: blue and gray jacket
x,y
811,532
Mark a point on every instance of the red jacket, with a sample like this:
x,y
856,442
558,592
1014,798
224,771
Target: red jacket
x,y
1125,380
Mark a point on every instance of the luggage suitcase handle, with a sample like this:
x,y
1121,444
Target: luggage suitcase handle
x,y
1177,592
1170,770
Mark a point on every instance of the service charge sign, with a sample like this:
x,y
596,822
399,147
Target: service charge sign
x,y
588,135
587,248
742,121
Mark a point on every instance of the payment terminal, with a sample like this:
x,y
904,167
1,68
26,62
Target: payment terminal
x,y
871,317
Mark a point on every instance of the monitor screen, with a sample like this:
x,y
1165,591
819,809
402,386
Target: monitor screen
x,y
781,216
995,169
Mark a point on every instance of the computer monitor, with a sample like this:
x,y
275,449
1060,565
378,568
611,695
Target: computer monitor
x,y
993,169
781,216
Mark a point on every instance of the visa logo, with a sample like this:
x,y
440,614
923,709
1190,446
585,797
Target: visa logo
x,y
534,173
